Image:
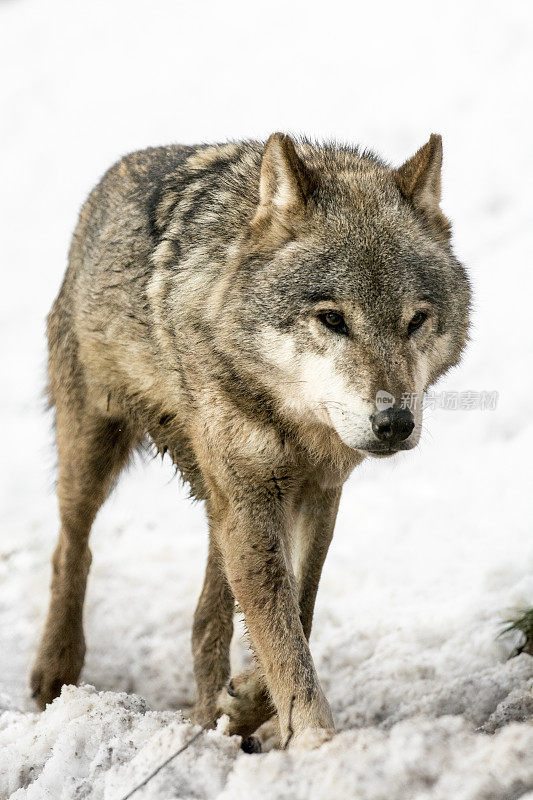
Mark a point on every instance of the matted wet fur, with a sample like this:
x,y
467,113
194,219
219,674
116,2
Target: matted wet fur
x,y
241,305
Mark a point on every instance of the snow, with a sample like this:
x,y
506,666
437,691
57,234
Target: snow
x,y
432,550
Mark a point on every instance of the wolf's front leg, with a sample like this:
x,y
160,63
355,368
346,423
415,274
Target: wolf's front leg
x,y
252,538
245,699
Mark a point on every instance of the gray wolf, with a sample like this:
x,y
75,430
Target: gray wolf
x,y
241,305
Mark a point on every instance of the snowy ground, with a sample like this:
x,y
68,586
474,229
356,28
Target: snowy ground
x,y
431,551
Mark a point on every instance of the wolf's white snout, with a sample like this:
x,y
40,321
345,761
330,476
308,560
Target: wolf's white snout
x,y
382,428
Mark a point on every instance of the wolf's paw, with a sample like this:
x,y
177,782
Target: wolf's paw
x,y
240,708
52,671
310,738
246,703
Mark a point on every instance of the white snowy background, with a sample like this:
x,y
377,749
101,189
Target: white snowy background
x,y
432,550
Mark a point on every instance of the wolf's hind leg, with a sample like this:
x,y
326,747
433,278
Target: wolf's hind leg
x,y
211,636
92,449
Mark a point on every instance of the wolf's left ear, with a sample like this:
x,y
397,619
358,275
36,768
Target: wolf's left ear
x,y
419,182
284,187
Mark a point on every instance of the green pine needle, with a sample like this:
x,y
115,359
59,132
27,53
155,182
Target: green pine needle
x,y
523,624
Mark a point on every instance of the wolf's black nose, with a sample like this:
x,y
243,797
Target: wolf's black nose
x,y
393,425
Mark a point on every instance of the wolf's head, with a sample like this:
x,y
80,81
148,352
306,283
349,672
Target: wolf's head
x,y
355,299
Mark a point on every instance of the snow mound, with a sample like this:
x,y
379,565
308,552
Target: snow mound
x,y
90,744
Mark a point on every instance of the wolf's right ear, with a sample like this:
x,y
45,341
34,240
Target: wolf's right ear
x,y
419,182
284,187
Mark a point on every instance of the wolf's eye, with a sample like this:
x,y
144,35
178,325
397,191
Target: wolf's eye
x,y
418,320
334,321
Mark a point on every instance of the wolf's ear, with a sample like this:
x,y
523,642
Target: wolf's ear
x,y
419,182
284,187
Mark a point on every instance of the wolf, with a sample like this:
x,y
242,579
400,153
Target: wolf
x,y
241,306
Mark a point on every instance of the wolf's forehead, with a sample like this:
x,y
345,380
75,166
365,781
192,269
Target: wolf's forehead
x,y
367,273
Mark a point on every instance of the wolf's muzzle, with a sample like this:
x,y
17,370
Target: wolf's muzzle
x,y
393,425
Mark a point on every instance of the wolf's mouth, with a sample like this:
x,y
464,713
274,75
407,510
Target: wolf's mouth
x,y
388,449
